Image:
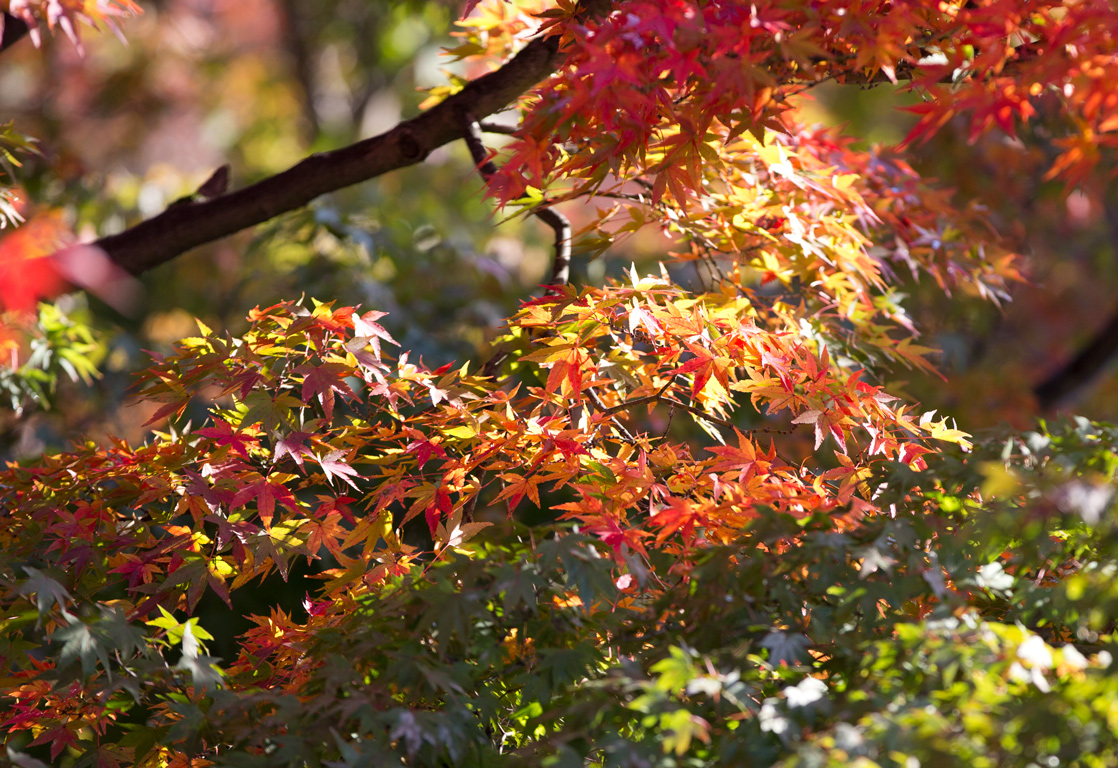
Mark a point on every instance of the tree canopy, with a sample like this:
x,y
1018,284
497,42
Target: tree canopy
x,y
609,401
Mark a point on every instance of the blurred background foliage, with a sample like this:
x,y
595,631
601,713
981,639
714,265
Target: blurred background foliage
x,y
258,84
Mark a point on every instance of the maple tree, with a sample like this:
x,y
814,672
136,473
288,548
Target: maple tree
x,y
686,514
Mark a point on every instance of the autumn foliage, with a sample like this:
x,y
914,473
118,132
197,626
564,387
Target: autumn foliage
x,y
685,516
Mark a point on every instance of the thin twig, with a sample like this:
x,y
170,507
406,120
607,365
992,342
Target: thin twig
x,y
639,400
559,224
504,130
625,433
469,507
660,398
668,426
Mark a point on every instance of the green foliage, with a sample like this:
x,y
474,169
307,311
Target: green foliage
x,y
12,145
61,346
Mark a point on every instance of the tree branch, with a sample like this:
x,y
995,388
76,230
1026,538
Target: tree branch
x,y
12,30
295,42
560,224
1090,361
178,229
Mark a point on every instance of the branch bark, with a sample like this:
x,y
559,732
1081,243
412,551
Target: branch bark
x,y
559,224
1061,387
181,228
13,30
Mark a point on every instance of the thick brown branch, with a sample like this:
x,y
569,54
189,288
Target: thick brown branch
x,y
181,228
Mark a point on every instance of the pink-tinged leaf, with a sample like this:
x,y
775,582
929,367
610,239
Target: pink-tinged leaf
x,y
437,394
340,505
371,364
295,446
59,738
334,465
366,327
175,407
807,417
468,9
836,433
423,450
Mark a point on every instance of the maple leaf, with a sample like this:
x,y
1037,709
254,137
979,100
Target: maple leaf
x,y
27,273
453,532
223,433
266,493
60,738
431,499
424,449
325,532
42,259
334,466
826,423
566,374
339,504
468,8
707,368
745,458
47,591
175,408
365,327
323,381
938,430
295,446
677,516
442,506
518,486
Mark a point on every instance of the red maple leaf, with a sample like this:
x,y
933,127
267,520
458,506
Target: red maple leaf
x,y
223,433
323,381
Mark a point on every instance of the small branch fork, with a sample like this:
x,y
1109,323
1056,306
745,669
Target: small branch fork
x,y
560,276
661,397
559,224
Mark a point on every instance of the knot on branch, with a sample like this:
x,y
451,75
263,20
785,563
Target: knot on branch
x,y
410,148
